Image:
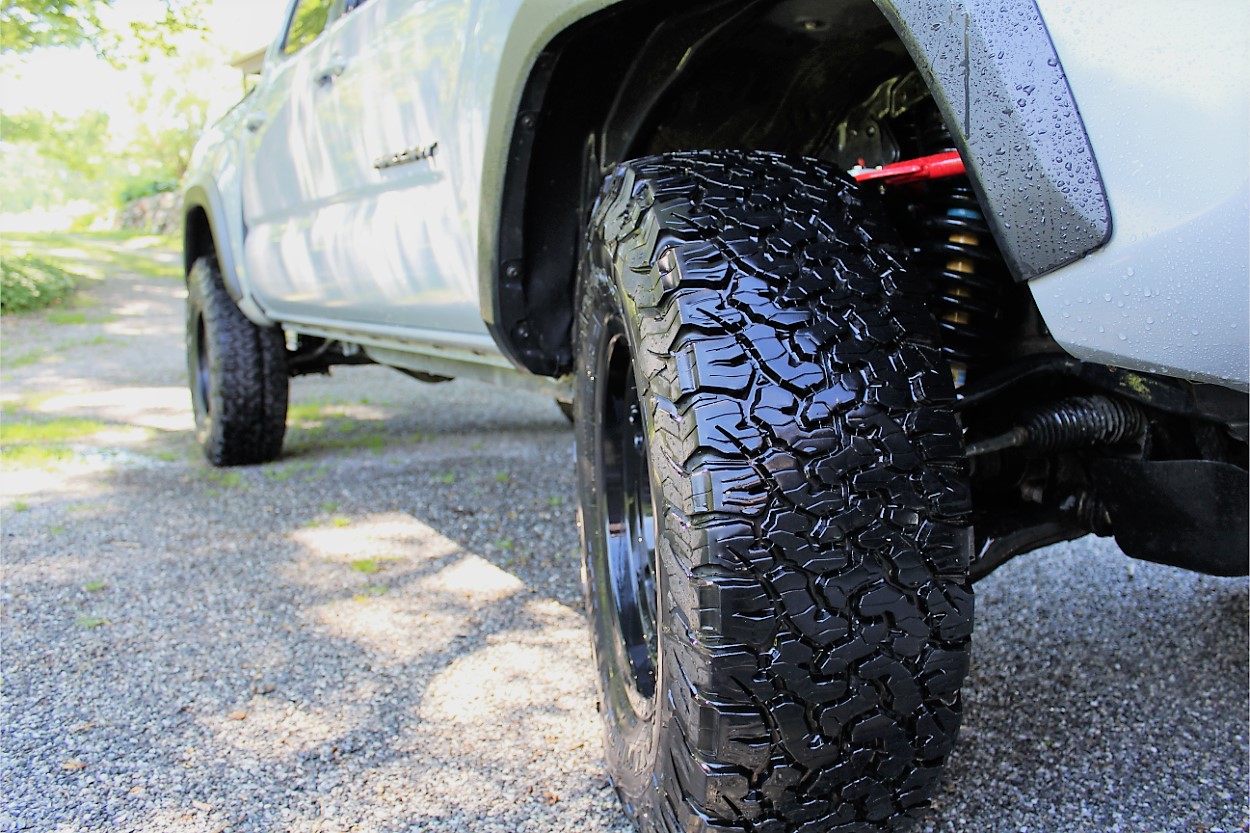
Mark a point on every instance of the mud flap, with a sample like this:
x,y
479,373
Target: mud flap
x,y
1186,513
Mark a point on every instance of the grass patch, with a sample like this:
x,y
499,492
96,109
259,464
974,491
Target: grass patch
x,y
226,479
321,425
30,283
365,565
301,442
15,407
165,455
24,359
35,456
370,591
337,521
94,341
32,442
370,440
77,316
284,472
94,586
29,431
305,412
101,254
278,475
66,316
90,622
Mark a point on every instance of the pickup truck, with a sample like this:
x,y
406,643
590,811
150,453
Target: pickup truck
x,y
849,301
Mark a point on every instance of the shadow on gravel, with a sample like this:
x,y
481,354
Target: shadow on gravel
x,y
385,635
342,639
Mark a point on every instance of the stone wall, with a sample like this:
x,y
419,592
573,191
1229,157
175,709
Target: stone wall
x,y
158,213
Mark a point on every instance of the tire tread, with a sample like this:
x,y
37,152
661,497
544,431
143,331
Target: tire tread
x,y
815,482
247,364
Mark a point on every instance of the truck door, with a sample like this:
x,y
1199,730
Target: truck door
x,y
285,165
390,223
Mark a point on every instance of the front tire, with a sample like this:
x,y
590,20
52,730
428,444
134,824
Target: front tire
x,y
238,375
773,504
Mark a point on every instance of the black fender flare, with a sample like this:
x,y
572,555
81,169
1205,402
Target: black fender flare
x,y
995,75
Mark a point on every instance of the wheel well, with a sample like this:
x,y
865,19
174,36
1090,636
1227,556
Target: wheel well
x,y
641,78
197,237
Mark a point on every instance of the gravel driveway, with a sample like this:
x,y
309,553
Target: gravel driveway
x,y
382,631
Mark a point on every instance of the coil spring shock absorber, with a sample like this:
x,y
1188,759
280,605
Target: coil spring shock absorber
x,y
966,271
953,243
966,274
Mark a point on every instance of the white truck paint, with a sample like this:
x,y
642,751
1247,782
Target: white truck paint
x,y
1170,292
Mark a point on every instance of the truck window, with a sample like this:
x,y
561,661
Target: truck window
x,y
307,22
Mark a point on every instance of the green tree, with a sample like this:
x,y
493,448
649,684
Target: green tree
x,y
80,145
173,111
52,160
32,24
48,160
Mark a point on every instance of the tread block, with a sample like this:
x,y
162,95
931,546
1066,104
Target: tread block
x,y
713,363
733,609
723,487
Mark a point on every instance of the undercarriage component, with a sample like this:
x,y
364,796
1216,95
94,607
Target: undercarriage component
x,y
951,240
1071,423
1032,534
1202,505
307,354
1155,393
937,166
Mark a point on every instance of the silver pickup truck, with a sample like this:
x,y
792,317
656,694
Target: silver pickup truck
x,y
850,302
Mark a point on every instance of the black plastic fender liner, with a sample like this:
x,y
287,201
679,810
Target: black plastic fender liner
x,y
206,198
994,73
1185,513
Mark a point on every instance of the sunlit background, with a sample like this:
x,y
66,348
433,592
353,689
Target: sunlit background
x,y
85,133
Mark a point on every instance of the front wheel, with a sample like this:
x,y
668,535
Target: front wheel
x,y
773,504
238,375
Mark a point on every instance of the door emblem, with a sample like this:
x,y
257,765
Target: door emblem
x,y
406,156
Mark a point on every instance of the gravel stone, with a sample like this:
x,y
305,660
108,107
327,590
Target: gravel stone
x,y
382,631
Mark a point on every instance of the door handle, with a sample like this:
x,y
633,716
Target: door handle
x,y
326,75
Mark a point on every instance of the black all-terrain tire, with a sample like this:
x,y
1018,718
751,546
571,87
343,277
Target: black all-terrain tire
x,y
774,504
238,375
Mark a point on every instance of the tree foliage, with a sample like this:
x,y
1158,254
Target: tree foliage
x,y
84,160
32,24
48,160
79,144
173,111
174,77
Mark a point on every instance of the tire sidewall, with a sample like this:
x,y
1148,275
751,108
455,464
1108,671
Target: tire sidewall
x,y
202,356
633,724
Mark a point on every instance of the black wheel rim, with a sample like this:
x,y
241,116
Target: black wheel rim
x,y
200,382
629,527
